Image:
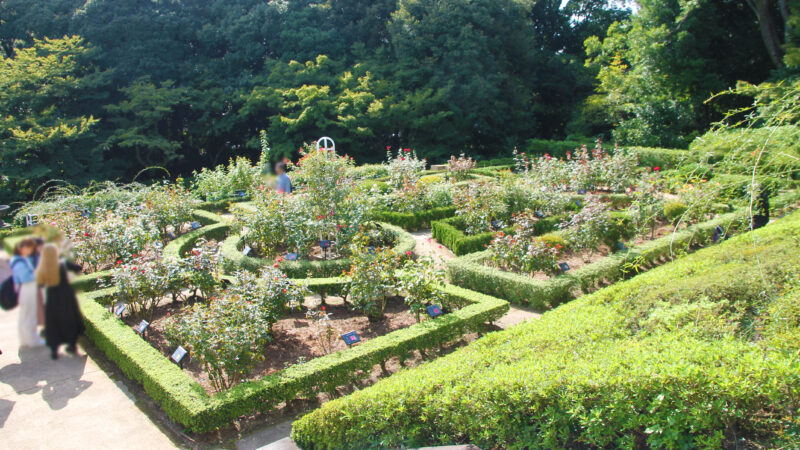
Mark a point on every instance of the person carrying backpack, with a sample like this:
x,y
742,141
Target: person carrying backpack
x,y
24,276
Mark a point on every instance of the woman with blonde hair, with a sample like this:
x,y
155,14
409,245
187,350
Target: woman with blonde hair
x,y
63,322
22,271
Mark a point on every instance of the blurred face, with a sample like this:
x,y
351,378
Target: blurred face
x,y
26,251
278,169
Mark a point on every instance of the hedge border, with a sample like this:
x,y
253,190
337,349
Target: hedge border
x,y
416,220
187,403
470,272
447,233
233,259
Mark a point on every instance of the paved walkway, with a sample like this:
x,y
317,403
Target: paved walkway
x,y
64,404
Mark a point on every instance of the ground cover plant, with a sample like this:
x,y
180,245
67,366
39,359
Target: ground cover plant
x,y
703,343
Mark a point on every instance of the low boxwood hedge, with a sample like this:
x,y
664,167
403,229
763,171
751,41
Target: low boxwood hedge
x,y
416,220
698,353
233,259
449,232
471,272
187,403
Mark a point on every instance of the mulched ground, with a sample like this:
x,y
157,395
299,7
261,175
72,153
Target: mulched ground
x,y
293,337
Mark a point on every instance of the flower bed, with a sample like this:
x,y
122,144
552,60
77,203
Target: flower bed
x,y
234,258
188,403
474,272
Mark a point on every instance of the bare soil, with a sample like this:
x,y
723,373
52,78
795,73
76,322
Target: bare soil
x,y
578,259
293,337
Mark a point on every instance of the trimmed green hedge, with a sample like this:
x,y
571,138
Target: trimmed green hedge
x,y
471,272
449,232
187,403
668,359
416,220
233,259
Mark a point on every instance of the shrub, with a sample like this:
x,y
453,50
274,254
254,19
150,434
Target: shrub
x,y
404,167
553,240
458,168
477,205
144,282
223,182
420,283
674,210
589,227
271,289
201,268
371,278
588,373
226,336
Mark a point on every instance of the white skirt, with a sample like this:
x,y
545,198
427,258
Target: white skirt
x,y
28,316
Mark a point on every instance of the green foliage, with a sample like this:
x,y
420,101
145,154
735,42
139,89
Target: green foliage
x,y
420,283
477,205
187,403
674,210
627,366
371,277
45,123
416,220
225,336
222,182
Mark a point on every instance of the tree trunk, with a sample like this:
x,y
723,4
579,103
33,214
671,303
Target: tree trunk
x,y
769,30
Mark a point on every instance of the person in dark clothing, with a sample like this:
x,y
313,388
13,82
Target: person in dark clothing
x,y
63,321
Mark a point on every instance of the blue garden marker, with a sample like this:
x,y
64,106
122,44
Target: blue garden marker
x,y
351,338
195,225
621,246
291,256
179,355
434,310
325,244
539,214
86,214
239,193
719,234
563,266
579,203
142,327
371,250
581,191
496,224
119,309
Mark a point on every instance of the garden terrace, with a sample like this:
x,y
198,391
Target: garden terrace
x,y
473,271
670,358
186,402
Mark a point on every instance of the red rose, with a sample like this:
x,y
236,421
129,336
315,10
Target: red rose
x,y
408,253
323,308
276,265
656,168
406,149
388,147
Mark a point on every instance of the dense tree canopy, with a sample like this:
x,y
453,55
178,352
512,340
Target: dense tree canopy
x,y
189,83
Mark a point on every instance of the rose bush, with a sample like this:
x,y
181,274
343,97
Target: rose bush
x,y
478,204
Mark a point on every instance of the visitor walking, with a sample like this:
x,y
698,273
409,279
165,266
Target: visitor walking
x,y
284,182
23,272
63,322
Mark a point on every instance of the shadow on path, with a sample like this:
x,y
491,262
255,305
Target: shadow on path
x,y
58,381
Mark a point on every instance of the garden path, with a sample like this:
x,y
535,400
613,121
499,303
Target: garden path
x,y
68,403
427,246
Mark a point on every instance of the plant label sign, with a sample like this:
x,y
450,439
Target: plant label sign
x,y
496,224
325,244
246,251
142,327
178,355
119,309
564,267
434,310
351,338
291,256
86,214
581,191
621,246
371,250
579,203
240,193
539,214
719,233
195,225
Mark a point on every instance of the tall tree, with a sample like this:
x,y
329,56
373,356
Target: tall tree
x,y
44,134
